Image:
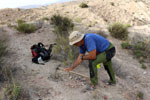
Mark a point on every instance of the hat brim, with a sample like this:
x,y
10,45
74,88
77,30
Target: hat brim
x,y
79,39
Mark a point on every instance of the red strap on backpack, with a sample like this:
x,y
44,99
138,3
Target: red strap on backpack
x,y
34,54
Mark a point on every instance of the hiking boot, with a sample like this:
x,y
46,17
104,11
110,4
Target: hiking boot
x,y
110,82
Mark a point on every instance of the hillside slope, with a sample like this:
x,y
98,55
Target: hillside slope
x,y
40,80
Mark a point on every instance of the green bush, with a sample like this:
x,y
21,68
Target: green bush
x,y
83,5
125,45
24,27
138,53
62,25
140,46
118,31
140,95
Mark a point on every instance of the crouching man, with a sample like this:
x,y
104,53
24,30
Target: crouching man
x,y
99,49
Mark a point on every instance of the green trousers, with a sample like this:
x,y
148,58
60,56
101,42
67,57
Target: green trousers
x,y
105,58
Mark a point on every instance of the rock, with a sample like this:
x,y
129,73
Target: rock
x,y
144,73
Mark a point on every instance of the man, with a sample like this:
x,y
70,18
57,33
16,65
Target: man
x,y
99,49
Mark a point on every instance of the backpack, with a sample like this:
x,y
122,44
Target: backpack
x,y
40,53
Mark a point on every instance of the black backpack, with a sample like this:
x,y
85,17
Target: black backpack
x,y
40,53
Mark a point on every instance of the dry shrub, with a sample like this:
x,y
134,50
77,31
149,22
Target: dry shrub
x,y
24,27
63,26
119,31
83,5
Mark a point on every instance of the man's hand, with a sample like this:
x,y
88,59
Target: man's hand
x,y
69,69
77,62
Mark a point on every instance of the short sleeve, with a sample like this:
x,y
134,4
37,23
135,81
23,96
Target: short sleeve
x,y
90,44
82,50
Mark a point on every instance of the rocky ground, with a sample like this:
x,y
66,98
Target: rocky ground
x,y
43,83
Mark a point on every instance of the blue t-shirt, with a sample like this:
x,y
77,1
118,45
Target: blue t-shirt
x,y
94,41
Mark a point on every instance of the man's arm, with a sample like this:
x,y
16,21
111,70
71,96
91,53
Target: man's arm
x,y
77,62
90,56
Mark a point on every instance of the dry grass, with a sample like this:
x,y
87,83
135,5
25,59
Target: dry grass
x,y
140,50
63,26
24,27
119,31
5,71
83,5
12,91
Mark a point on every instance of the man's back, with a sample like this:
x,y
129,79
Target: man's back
x,y
94,41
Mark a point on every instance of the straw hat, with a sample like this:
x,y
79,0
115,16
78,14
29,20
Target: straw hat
x,y
75,37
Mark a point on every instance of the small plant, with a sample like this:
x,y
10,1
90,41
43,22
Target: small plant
x,y
83,5
112,3
138,53
139,46
45,18
13,91
118,31
19,21
144,66
62,25
24,27
140,95
141,59
125,45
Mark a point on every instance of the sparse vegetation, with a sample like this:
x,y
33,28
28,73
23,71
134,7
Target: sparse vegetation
x,y
19,21
83,5
4,71
144,66
24,27
112,3
12,91
139,50
63,26
125,45
140,95
119,31
45,18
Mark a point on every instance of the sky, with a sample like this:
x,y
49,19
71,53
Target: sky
x,y
21,3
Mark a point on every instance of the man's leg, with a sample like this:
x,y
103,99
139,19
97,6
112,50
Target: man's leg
x,y
109,69
93,69
93,73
